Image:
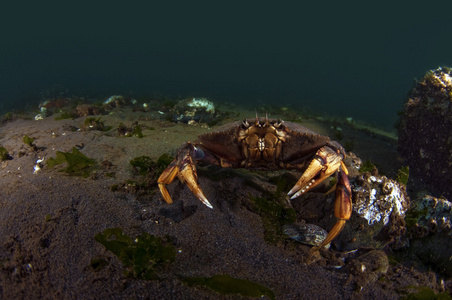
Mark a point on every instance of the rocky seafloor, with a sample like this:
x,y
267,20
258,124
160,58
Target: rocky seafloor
x,y
81,215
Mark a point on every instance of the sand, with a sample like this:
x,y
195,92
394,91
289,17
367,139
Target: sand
x,y
48,221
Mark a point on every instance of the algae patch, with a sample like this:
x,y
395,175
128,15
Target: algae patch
x,y
143,256
424,292
28,140
4,155
77,163
403,175
227,285
274,214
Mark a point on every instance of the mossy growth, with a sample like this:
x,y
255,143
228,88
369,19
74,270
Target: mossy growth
x,y
143,164
28,140
77,163
226,285
66,115
425,292
4,155
403,174
413,215
143,256
149,170
367,166
274,214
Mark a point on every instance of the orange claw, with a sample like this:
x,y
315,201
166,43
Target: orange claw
x,y
324,164
185,169
189,177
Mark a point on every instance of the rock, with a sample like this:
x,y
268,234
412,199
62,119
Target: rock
x,y
368,268
84,110
379,207
195,110
425,141
430,229
114,101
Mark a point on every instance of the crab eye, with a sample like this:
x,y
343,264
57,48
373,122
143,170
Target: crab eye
x,y
198,153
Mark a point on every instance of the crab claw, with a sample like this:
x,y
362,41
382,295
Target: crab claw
x,y
185,170
325,163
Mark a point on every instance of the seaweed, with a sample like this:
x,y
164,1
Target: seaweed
x,y
143,164
403,174
77,163
66,115
367,166
224,284
143,256
424,292
28,140
4,155
163,161
149,170
274,214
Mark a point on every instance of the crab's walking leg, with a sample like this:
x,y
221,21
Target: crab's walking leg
x,y
342,206
166,178
185,169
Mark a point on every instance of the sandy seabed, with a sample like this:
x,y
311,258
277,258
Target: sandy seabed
x,y
48,221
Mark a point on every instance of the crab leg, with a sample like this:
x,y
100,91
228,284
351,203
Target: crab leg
x,y
325,163
166,178
342,209
185,169
342,205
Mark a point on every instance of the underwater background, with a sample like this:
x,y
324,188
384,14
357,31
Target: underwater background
x,y
345,59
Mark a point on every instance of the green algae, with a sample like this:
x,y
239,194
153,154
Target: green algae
x,y
274,214
28,140
143,164
226,285
424,292
403,174
4,155
148,171
367,166
66,115
143,256
77,163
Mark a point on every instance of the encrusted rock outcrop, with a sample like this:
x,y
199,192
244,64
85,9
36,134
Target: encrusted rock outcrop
x,y
425,140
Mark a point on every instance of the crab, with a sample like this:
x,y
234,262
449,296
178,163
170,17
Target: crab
x,y
266,144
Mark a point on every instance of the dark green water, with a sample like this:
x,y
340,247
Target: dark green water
x,y
344,59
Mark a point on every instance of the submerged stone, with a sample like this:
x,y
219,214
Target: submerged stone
x,y
425,141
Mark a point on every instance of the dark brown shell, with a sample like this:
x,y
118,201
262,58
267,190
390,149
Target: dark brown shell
x,y
300,143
